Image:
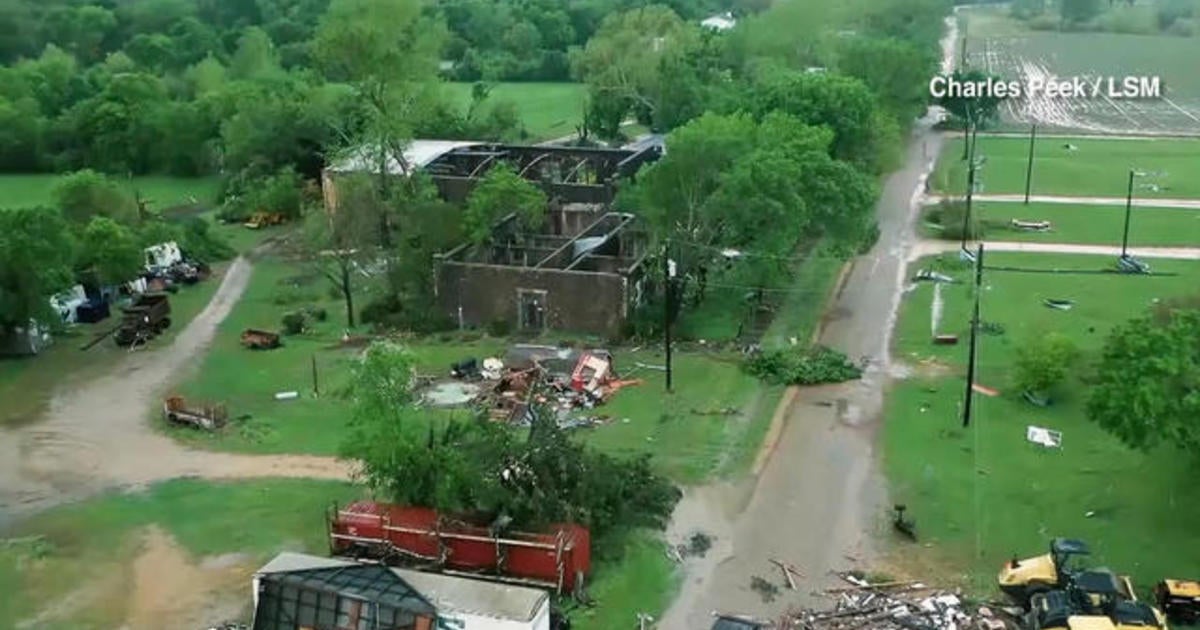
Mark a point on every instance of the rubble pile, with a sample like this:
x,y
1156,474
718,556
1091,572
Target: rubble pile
x,y
564,379
899,606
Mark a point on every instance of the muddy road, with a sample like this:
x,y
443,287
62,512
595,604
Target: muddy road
x,y
97,435
821,496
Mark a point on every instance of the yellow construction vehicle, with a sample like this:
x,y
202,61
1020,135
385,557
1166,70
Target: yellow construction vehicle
x,y
1020,579
1106,607
1179,599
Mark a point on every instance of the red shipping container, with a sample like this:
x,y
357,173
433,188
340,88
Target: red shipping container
x,y
559,558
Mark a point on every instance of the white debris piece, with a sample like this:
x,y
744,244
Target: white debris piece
x,y
1048,438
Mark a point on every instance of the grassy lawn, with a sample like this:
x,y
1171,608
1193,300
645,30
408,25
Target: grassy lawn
x,y
18,191
93,543
1099,225
689,441
644,580
1098,168
984,493
548,110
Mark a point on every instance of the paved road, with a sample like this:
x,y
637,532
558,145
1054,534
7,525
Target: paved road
x,y
1138,202
820,496
96,437
929,247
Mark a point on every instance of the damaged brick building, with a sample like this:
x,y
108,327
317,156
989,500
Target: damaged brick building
x,y
580,272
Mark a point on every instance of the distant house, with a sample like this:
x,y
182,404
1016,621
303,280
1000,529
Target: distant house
x,y
720,22
301,592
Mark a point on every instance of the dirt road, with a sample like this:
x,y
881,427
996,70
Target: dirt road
x,y
930,247
98,436
820,496
1138,202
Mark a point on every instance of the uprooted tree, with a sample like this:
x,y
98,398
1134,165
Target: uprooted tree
x,y
1147,385
528,478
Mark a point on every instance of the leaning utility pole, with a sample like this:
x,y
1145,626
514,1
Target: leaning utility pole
x,y
971,351
966,226
1128,209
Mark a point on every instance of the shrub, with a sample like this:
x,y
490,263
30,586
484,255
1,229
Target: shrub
x,y
1170,12
316,312
802,366
948,216
1128,20
499,328
293,323
1044,362
388,312
1183,27
1043,22
202,244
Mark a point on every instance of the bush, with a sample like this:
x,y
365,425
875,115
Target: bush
x,y
293,323
802,366
499,328
1129,21
388,312
1170,12
1183,27
1043,22
1044,362
316,312
287,296
948,216
203,245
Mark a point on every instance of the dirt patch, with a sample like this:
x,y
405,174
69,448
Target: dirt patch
x,y
171,590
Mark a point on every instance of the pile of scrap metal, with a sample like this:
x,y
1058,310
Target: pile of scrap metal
x,y
906,607
564,379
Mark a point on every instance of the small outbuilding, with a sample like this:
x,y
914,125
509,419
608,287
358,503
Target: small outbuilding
x,y
297,591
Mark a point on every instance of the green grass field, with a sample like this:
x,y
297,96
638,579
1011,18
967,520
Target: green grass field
x,y
984,493
548,110
18,191
1095,225
1098,168
86,557
688,441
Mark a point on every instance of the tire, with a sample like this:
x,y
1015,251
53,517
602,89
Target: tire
x,y
164,324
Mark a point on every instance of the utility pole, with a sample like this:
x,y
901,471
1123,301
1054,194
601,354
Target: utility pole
x,y
1029,165
966,419
1128,209
966,226
668,293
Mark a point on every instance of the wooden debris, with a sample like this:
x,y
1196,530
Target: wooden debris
x,y
787,573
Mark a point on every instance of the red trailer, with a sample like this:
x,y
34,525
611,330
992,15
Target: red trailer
x,y
558,558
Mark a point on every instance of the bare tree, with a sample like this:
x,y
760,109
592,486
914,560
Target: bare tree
x,y
341,240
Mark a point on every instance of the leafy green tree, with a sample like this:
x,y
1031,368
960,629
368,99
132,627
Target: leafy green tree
x,y
154,51
980,109
1147,386
85,194
255,57
110,251
896,70
1076,11
624,62
501,192
1044,362
21,126
35,263
117,127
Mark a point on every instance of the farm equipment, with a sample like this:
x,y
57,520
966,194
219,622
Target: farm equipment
x,y
146,317
557,558
264,219
1179,599
210,417
1095,600
259,339
1019,579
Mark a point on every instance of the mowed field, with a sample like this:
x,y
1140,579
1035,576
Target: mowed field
x,y
1087,167
983,494
548,110
160,191
1092,225
1006,47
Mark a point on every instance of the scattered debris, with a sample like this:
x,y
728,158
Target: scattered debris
x,y
945,340
255,339
209,417
1035,399
991,328
1030,226
934,276
905,525
788,572
985,390
1129,264
723,411
1070,147
1048,438
1062,305
493,368
293,395
883,606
